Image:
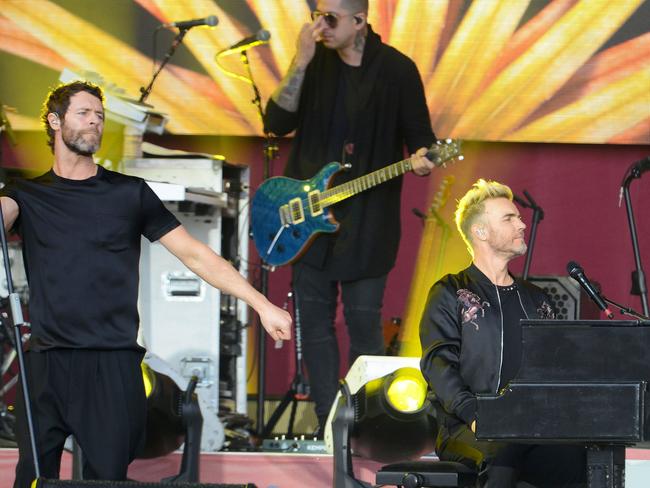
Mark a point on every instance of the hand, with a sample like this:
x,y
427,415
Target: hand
x,y
276,321
309,35
420,165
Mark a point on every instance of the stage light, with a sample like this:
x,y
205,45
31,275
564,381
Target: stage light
x,y
407,391
393,420
173,417
148,377
381,413
165,432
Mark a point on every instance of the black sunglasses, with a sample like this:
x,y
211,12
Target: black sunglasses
x,y
331,18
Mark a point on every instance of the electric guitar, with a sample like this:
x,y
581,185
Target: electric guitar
x,y
287,214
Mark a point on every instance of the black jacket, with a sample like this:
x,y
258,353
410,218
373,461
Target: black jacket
x,y
391,112
462,335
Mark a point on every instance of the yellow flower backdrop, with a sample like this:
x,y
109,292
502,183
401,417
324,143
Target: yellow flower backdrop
x,y
497,70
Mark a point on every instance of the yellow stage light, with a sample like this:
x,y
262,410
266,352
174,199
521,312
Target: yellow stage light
x,y
407,391
149,378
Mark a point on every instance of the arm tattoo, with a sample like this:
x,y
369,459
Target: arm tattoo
x,y
287,95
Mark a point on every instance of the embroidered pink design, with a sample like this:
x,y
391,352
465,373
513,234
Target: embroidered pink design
x,y
545,311
471,305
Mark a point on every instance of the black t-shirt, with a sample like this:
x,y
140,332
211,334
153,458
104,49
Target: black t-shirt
x,y
512,314
81,247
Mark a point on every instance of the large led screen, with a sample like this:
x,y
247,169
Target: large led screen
x,y
509,70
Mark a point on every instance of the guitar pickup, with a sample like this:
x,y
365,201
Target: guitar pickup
x,y
297,212
314,203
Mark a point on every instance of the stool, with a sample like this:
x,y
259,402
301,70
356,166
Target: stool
x,y
429,474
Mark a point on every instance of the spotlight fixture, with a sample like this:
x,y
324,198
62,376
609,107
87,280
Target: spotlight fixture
x,y
381,413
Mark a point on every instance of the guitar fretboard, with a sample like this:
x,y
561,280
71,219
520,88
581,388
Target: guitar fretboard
x,y
363,183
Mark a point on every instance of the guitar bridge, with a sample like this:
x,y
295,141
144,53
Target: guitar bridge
x,y
285,215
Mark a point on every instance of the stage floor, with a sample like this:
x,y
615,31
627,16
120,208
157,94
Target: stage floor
x,y
272,470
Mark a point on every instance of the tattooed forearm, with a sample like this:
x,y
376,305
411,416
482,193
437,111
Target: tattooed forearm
x,y
287,94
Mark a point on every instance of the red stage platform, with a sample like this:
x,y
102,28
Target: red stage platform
x,y
270,470
266,470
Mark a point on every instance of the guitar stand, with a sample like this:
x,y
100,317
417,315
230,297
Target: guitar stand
x,y
299,389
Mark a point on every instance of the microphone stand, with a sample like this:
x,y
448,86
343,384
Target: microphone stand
x,y
538,216
625,310
270,153
17,319
638,276
144,92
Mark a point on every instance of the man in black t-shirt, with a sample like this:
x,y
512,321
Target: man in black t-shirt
x,y
353,99
81,227
471,344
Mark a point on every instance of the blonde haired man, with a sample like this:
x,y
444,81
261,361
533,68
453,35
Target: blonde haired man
x,y
471,343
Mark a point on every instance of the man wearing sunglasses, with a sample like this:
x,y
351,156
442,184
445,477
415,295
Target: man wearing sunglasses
x,y
350,98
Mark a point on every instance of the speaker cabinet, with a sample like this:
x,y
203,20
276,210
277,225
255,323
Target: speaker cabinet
x,y
567,297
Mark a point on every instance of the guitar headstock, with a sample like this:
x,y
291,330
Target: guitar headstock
x,y
442,195
443,151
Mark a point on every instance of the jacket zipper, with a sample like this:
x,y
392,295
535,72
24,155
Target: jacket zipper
x,y
496,390
522,305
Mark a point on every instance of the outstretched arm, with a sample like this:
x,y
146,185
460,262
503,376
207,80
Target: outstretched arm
x,y
219,273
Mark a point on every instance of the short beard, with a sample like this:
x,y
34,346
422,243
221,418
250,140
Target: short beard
x,y
521,251
76,143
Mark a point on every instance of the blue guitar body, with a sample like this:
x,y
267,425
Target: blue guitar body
x,y
283,221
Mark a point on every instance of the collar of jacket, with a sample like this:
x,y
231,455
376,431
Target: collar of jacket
x,y
371,49
478,275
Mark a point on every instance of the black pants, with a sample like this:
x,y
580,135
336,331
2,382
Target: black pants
x,y
543,466
97,396
317,296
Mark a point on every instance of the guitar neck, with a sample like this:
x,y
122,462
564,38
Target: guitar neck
x,y
363,183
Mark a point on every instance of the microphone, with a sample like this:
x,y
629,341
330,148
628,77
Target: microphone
x,y
262,36
636,170
210,20
641,166
577,273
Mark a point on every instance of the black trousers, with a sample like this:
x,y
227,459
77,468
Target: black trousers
x,y
318,296
505,464
97,396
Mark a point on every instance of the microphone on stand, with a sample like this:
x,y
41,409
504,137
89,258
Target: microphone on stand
x,y
577,273
641,167
210,20
262,36
635,170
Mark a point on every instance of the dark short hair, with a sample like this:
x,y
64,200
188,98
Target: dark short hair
x,y
355,6
58,101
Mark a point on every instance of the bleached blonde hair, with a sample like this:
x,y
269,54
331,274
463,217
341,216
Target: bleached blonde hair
x,y
472,205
